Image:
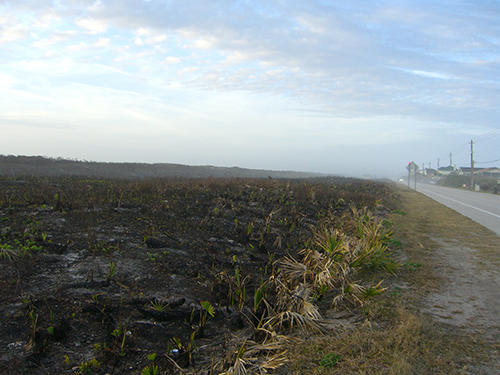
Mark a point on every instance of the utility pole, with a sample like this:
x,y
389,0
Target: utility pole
x,y
471,164
438,164
451,159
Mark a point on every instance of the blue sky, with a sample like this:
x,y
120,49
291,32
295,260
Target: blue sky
x,y
356,88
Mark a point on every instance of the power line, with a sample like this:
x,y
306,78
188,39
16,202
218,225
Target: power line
x,y
487,136
486,162
461,149
465,147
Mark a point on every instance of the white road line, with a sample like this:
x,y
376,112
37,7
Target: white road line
x,y
465,204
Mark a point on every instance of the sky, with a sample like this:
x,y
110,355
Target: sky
x,y
357,88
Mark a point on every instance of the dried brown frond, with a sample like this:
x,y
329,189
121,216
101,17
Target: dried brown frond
x,y
312,257
351,293
294,270
310,310
291,299
294,319
255,348
259,358
237,369
8,254
260,365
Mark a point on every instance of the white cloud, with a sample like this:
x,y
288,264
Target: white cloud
x,y
102,42
57,37
78,47
13,33
46,19
134,57
316,25
426,74
49,54
185,71
99,43
239,57
6,80
93,26
347,72
155,39
172,60
143,32
206,43
431,74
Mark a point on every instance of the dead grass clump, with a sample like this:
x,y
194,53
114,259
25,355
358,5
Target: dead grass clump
x,y
393,337
407,344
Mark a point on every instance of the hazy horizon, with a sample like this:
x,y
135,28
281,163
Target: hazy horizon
x,y
355,89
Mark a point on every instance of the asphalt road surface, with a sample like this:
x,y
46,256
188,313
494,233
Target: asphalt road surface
x,y
483,208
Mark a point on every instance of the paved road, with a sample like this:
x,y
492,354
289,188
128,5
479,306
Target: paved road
x,y
483,208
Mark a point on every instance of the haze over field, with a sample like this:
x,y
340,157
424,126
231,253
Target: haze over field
x,y
318,86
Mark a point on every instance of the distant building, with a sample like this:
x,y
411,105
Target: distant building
x,y
428,172
444,171
493,172
465,171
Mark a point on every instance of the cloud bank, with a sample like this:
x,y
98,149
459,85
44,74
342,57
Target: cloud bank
x,y
355,88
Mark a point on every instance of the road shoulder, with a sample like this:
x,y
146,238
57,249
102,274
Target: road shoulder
x,y
456,284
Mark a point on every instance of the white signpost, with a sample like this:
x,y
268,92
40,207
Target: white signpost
x,y
412,170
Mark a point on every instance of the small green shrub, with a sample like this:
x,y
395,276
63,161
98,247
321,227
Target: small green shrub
x,y
329,360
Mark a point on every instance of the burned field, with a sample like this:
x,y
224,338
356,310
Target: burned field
x,y
181,275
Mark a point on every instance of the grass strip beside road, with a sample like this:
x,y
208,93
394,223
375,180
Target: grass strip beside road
x,y
391,335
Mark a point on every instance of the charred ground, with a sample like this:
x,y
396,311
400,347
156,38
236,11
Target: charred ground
x,y
98,274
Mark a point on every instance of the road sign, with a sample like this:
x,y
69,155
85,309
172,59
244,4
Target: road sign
x,y
412,167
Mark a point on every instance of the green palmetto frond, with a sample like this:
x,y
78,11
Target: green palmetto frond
x,y
373,290
371,228
208,308
159,305
329,240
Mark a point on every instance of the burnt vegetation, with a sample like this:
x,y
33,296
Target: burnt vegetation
x,y
171,276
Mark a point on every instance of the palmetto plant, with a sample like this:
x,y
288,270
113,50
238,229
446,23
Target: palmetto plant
x,y
33,329
255,358
335,258
294,308
237,289
159,305
112,272
208,309
259,295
